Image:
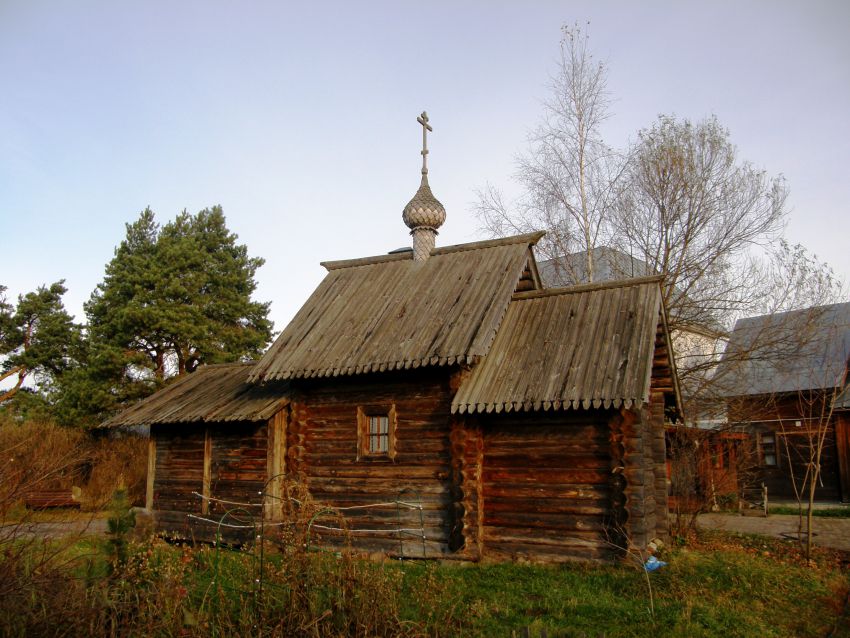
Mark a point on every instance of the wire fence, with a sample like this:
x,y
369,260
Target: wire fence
x,y
274,517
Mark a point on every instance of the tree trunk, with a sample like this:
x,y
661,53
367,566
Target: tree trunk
x,y
809,516
181,361
21,371
159,362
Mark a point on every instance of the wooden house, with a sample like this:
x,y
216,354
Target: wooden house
x,y
528,422
780,376
698,338
841,412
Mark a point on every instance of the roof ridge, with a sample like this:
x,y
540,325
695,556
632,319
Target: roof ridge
x,y
602,285
366,261
798,311
527,238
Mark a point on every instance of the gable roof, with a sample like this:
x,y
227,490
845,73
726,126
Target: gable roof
x,y
787,352
390,312
584,346
211,394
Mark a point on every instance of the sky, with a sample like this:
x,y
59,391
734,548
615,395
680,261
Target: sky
x,y
299,119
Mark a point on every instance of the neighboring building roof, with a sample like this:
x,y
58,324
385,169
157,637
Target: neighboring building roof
x,y
609,264
211,394
787,352
842,401
584,346
389,312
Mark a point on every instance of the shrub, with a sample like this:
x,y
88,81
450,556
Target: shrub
x,y
38,455
116,463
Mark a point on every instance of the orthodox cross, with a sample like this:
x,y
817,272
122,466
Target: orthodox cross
x,y
423,120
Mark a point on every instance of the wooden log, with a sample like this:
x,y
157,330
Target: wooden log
x,y
47,499
542,476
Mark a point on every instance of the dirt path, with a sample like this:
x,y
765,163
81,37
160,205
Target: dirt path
x,y
828,532
55,529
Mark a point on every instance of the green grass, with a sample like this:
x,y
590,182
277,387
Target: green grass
x,y
721,585
700,593
826,512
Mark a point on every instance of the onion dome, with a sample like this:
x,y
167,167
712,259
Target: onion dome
x,y
424,214
424,209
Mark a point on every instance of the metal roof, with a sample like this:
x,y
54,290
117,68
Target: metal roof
x,y
584,346
609,264
211,394
787,352
389,312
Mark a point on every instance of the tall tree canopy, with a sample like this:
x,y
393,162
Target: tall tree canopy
x,y
178,296
568,173
679,202
691,210
38,338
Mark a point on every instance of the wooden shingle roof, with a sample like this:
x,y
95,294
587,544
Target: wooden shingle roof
x,y
389,312
214,393
584,346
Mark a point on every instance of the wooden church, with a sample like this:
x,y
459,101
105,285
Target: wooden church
x,y
527,422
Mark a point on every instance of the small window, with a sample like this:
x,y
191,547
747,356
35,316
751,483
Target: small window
x,y
767,442
379,434
376,431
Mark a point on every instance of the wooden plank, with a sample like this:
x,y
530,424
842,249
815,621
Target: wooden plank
x,y
205,505
149,485
276,464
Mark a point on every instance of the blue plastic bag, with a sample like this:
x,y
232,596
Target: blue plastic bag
x,y
653,564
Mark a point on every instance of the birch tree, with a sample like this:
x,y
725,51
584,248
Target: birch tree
x,y
568,174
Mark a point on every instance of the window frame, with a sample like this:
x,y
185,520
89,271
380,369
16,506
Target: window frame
x,y
774,443
365,436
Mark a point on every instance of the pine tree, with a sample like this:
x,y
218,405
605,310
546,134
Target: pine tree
x,y
178,296
38,338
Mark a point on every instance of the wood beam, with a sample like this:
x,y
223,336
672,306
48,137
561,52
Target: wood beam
x,y
205,490
151,473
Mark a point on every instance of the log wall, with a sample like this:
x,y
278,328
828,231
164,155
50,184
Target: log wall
x,y
179,467
467,461
322,451
547,488
657,451
639,472
226,461
239,465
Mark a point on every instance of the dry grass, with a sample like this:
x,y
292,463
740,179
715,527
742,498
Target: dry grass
x,y
38,455
116,463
